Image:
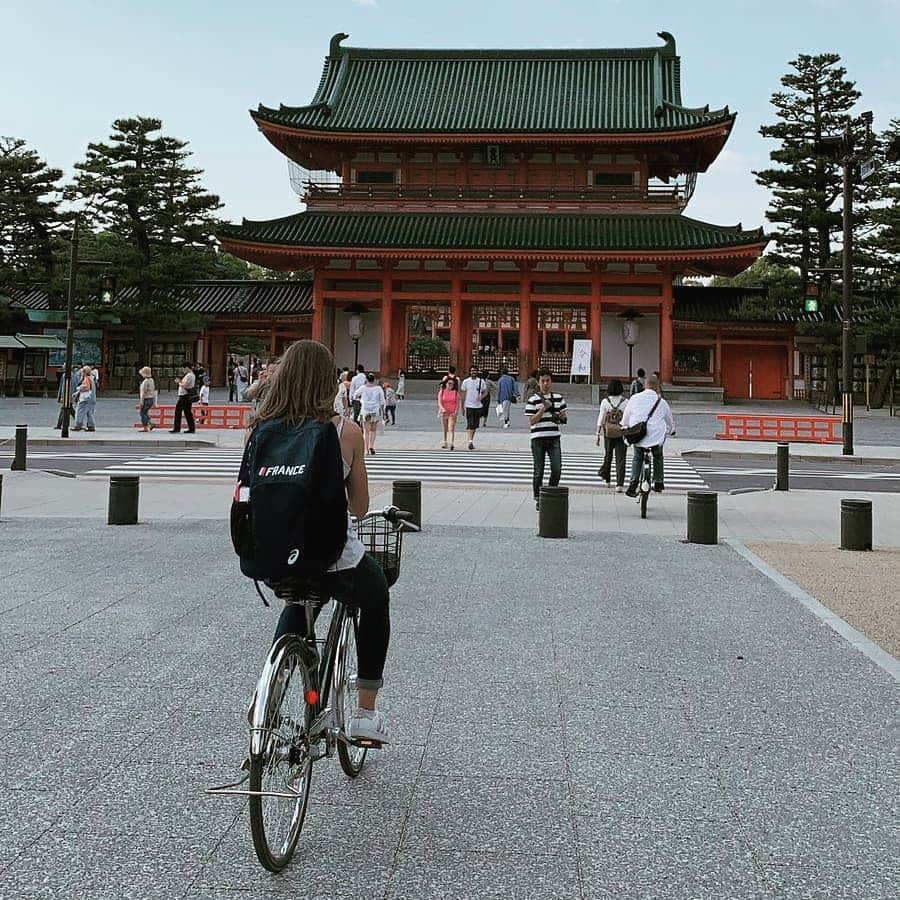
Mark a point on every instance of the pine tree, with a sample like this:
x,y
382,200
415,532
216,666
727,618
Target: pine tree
x,y
139,190
30,218
816,103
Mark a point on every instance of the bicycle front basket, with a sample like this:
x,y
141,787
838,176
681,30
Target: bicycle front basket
x,y
383,541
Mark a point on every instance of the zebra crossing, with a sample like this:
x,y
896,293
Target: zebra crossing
x,y
437,466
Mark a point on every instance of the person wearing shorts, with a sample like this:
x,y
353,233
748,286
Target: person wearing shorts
x,y
473,389
448,409
371,402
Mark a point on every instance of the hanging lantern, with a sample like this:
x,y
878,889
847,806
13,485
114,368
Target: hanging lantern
x,y
630,332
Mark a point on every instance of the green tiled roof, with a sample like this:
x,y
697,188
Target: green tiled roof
x,y
496,91
492,231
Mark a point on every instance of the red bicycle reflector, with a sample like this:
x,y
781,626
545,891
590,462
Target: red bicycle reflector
x,y
311,696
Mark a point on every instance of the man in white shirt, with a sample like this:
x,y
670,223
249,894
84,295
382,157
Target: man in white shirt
x,y
648,406
473,389
356,382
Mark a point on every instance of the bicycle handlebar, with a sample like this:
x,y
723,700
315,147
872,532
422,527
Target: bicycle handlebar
x,y
395,516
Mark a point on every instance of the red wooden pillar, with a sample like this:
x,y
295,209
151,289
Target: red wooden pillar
x,y
526,329
387,320
717,362
456,318
318,318
666,335
594,327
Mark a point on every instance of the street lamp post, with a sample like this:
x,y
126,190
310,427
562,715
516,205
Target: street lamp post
x,y
630,331
355,328
847,396
66,383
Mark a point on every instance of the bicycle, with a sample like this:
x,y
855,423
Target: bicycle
x,y
304,700
643,488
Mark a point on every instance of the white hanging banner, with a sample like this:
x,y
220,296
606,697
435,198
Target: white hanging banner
x,y
581,357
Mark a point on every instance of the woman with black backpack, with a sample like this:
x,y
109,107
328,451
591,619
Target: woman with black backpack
x,y
300,398
609,427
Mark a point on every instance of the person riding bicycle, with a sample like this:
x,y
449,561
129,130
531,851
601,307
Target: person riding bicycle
x,y
303,389
648,406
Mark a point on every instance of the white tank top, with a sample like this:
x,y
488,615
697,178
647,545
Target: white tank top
x,y
353,550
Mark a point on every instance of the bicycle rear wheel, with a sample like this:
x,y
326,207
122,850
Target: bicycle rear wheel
x,y
345,693
644,496
282,767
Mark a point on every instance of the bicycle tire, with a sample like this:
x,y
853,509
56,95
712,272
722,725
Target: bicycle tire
x,y
345,694
644,496
285,763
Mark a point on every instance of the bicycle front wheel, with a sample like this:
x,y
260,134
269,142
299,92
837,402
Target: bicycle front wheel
x,y
345,693
281,769
644,497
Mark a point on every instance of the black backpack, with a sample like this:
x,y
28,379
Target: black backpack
x,y
289,515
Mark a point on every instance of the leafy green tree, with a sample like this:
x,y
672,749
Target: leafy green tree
x,y
783,285
30,218
139,189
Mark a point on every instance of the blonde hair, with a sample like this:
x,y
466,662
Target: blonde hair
x,y
302,387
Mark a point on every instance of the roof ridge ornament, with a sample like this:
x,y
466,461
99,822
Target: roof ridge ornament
x,y
334,47
669,39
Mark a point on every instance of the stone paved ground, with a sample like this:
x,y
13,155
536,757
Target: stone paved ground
x,y
564,727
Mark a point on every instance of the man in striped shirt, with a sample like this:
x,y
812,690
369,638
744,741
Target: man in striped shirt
x,y
545,411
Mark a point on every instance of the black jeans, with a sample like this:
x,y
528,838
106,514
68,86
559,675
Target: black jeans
x,y
364,587
183,406
614,446
390,411
232,391
541,447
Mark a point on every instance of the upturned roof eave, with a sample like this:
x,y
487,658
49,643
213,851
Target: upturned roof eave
x,y
270,120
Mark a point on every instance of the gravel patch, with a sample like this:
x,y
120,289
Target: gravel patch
x,y
862,588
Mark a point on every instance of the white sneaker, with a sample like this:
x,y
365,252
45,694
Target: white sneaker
x,y
619,489
367,728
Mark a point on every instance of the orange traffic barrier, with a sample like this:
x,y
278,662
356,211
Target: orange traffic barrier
x,y
796,429
212,416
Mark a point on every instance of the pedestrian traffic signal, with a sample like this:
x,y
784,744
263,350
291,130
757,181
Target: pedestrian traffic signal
x,y
811,304
108,290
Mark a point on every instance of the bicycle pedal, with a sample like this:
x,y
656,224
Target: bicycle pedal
x,y
367,743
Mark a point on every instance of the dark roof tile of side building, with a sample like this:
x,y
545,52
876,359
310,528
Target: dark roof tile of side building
x,y
498,91
222,297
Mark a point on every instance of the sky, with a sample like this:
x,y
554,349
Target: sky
x,y
69,68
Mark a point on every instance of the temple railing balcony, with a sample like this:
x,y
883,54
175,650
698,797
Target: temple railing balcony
x,y
664,196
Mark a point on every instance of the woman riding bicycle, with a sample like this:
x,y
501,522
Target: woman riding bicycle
x,y
303,389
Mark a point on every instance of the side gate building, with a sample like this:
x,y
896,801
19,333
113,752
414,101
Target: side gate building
x,y
508,203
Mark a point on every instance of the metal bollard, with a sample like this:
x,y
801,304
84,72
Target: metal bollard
x,y
782,468
407,495
703,517
1,492
19,462
553,516
856,524
123,500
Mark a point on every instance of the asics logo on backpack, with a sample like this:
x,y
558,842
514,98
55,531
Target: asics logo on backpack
x,y
295,555
270,471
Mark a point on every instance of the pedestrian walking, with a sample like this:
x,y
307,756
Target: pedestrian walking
x,y
638,384
230,375
65,393
342,398
448,410
486,402
473,391
146,397
546,411
531,385
507,394
648,406
609,428
188,394
85,399
401,385
371,402
356,382
241,381
390,403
